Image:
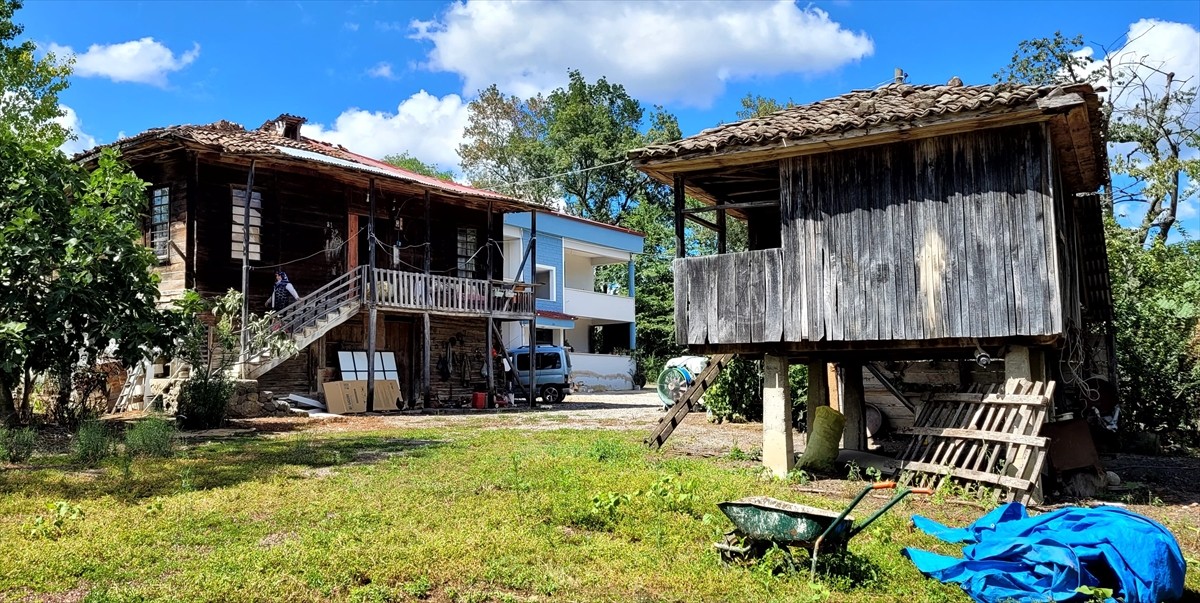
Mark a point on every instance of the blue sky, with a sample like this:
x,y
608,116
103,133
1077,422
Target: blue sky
x,y
383,77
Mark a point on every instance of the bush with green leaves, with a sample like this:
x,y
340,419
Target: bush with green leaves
x,y
17,445
152,436
737,393
92,443
210,345
1156,306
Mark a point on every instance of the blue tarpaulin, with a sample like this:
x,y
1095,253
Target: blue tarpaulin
x,y
1014,557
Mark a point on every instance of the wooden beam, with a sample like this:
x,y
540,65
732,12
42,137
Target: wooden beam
x,y
732,206
702,222
721,226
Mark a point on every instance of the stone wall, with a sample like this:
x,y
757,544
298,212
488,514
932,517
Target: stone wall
x,y
246,402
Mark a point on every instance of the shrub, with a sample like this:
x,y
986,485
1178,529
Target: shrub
x,y
153,436
203,401
17,444
92,443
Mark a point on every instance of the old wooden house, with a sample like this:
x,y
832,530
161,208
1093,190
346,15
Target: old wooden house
x,y
905,222
437,277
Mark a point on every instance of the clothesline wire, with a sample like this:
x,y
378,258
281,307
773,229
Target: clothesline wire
x,y
311,255
567,173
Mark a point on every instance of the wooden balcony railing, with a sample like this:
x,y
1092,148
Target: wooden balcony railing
x,y
450,294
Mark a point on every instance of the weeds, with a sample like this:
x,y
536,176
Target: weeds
x,y
153,436
17,444
853,472
50,527
799,477
92,443
420,588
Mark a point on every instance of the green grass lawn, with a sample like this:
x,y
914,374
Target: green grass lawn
x,y
437,515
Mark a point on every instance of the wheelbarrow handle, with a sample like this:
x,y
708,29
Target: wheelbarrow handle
x,y
854,503
891,503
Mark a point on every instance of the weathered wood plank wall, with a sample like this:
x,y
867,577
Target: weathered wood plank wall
x,y
939,238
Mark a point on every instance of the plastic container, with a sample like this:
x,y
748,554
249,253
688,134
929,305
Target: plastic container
x,y
479,400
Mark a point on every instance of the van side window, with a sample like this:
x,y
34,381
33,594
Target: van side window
x,y
548,361
545,361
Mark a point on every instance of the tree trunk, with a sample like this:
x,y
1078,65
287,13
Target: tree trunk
x,y
8,411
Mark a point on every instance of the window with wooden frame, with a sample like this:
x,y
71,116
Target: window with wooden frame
x,y
160,222
240,229
468,241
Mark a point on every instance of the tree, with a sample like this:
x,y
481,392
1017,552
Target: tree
x,y
1048,62
755,105
74,275
568,146
405,161
29,98
506,148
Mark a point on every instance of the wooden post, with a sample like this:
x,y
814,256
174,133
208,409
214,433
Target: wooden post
x,y
721,226
491,302
680,245
372,309
533,391
778,452
425,339
854,406
818,393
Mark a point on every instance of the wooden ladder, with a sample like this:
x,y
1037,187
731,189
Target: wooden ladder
x,y
135,379
666,425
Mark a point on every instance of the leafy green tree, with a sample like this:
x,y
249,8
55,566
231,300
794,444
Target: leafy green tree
x,y
1051,61
1156,299
29,87
405,161
505,148
74,276
756,105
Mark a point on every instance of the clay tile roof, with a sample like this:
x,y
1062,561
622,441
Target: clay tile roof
x,y
231,138
857,110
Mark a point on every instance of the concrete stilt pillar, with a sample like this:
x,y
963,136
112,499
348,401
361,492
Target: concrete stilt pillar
x,y
818,392
778,453
1024,363
854,406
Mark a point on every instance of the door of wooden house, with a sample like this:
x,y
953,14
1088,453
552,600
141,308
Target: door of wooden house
x,y
385,232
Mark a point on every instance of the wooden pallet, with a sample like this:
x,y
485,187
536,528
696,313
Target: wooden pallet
x,y
989,437
666,425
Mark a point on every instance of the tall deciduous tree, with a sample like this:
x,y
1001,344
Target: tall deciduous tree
x,y
506,147
30,86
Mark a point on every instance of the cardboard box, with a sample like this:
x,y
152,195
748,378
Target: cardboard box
x,y
348,397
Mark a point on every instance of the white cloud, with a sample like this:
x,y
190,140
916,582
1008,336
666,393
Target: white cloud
x,y
70,120
427,127
660,51
382,70
144,61
350,26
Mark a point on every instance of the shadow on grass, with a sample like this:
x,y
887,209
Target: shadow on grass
x,y
207,466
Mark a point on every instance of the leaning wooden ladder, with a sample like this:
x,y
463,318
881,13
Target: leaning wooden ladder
x,y
666,425
135,379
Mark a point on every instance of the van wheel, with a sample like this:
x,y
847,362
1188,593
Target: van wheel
x,y
552,394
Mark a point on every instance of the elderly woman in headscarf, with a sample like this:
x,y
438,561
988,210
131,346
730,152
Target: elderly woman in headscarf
x,y
283,294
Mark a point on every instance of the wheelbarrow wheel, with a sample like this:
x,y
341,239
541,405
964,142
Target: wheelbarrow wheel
x,y
738,549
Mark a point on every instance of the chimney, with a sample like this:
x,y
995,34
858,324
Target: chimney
x,y
900,76
286,125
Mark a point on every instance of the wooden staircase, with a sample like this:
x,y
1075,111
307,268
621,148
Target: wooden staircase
x,y
311,317
666,425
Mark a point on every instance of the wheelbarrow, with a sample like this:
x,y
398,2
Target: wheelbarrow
x,y
761,522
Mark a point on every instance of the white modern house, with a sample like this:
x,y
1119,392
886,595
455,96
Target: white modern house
x,y
584,285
